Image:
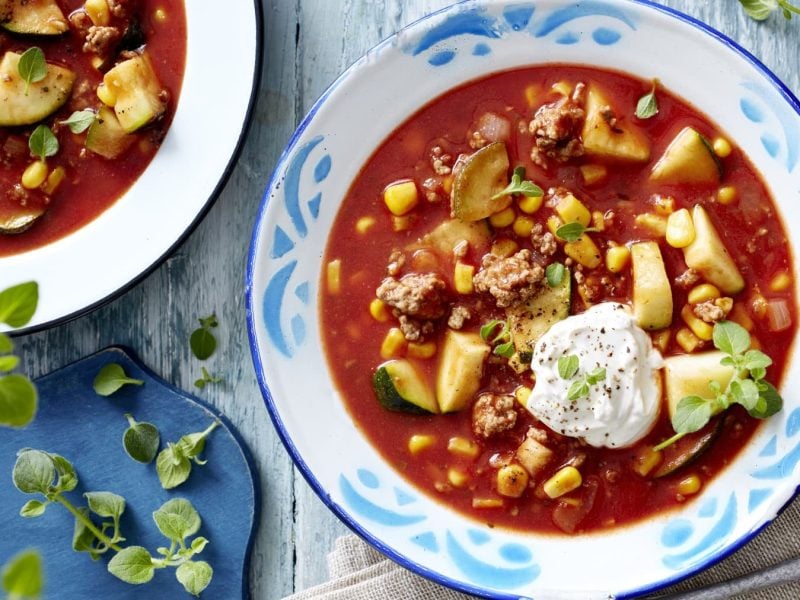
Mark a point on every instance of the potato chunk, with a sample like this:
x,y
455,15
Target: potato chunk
x,y
708,255
652,294
460,369
606,138
690,374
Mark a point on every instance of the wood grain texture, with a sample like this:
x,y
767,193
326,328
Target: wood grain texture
x,y
308,43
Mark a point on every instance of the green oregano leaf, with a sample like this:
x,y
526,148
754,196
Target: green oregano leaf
x,y
8,363
691,414
568,366
132,565
202,341
173,467
111,378
579,389
18,303
731,338
647,106
596,376
18,400
32,66
759,10
177,519
572,232
771,401
141,440
43,143
519,185
555,273
22,576
34,472
80,120
194,576
6,345
67,477
105,504
32,508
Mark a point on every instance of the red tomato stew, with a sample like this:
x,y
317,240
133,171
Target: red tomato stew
x,y
87,93
553,310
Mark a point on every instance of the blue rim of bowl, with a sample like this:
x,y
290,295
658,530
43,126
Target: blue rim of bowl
x,y
301,465
201,214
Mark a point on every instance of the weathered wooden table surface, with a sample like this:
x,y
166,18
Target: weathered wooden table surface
x,y
308,43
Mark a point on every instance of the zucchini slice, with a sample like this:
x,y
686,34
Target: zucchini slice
x,y
106,136
688,448
42,99
530,320
32,17
135,85
484,174
689,158
400,387
19,221
447,235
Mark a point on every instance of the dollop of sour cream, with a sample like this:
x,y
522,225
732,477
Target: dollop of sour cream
x,y
620,409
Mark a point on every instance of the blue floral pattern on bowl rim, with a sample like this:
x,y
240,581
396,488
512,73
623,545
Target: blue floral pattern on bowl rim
x,y
282,280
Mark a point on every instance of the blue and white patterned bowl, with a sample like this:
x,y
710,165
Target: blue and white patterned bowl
x,y
384,88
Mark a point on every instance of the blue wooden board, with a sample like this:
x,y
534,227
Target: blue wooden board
x,y
87,429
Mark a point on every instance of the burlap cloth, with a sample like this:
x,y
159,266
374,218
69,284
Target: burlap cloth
x,y
357,572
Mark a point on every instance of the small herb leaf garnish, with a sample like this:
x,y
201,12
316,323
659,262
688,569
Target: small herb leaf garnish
x,y
51,476
555,273
502,342
43,143
760,10
579,389
647,106
520,185
202,341
568,366
32,66
18,303
572,232
141,440
22,576
18,397
80,120
746,387
111,378
174,463
206,379
18,400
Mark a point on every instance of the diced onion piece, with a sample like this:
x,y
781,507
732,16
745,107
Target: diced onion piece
x,y
779,316
494,128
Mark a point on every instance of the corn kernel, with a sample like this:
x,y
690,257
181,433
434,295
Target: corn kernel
x,y
97,61
531,94
562,87
54,180
563,482
530,204
703,293
584,251
504,247
393,344
98,12
664,205
647,460
462,278
487,503
34,175
447,184
379,310
504,218
700,328
739,315
553,223
402,223
598,220
722,147
457,478
661,339
689,485
726,304
593,173
680,229
523,226
688,341
758,304
780,283
418,442
727,194
401,197
463,446
657,224
512,481
572,210
522,393
160,15
422,350
334,276
618,258
364,224
107,95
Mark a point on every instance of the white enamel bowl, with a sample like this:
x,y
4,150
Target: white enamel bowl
x,y
105,257
384,88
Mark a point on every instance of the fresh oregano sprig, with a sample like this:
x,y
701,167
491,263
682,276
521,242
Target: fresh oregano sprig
x,y
746,387
572,232
520,185
206,378
43,143
32,66
568,368
202,341
52,476
760,10
141,440
502,342
555,273
647,106
80,120
18,397
111,378
22,576
174,463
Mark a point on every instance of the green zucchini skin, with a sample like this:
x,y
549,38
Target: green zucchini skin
x,y
399,387
530,320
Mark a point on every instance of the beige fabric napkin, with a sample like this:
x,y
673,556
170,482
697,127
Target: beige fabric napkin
x,y
358,572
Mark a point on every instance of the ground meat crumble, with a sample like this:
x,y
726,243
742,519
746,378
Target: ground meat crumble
x,y
510,280
493,414
417,300
458,316
556,128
